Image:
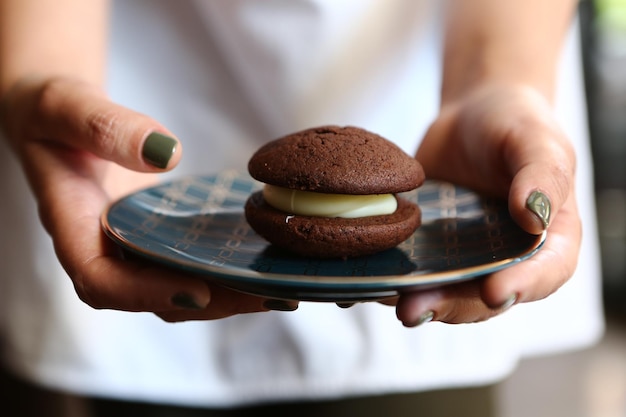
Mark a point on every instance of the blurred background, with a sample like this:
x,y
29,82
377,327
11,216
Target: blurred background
x,y
604,41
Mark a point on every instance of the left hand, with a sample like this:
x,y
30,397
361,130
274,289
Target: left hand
x,y
80,151
502,140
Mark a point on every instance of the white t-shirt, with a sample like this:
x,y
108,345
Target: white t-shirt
x,y
225,77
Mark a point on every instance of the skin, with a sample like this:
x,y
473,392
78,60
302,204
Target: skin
x,y
80,151
496,114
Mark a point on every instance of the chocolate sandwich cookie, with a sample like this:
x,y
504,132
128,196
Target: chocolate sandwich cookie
x,y
331,193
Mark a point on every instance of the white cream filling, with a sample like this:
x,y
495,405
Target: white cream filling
x,y
308,203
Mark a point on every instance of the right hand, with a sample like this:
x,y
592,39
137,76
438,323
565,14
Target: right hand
x,y
503,140
80,151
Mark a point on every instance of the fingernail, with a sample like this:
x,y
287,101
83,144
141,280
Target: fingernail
x,y
158,149
423,319
186,301
508,303
345,304
540,205
280,305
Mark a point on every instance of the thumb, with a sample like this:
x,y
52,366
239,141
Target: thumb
x,y
542,165
81,116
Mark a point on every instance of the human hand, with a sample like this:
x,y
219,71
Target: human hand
x,y
79,151
502,140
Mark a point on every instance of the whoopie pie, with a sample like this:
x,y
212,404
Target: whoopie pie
x,y
331,192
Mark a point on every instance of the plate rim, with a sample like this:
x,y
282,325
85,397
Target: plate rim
x,y
392,279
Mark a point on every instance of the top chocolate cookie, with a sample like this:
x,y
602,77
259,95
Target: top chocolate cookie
x,y
339,160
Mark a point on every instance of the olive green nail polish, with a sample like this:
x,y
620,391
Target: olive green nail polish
x,y
158,149
186,301
345,304
540,205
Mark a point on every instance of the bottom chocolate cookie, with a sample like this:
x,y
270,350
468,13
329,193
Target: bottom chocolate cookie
x,y
323,237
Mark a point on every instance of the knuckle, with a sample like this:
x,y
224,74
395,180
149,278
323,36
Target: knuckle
x,y
51,93
560,163
50,97
563,169
88,283
561,176
85,291
25,103
101,127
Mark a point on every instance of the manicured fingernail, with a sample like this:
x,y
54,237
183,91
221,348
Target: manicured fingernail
x,y
423,319
186,301
280,305
345,304
158,149
508,303
540,205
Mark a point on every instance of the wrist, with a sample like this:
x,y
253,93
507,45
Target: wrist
x,y
494,88
507,42
485,73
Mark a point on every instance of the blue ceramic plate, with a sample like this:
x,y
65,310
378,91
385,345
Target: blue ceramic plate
x,y
196,224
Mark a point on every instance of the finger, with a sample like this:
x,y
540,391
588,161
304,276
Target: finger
x,y
82,117
70,205
108,282
542,163
389,301
460,303
530,280
227,303
103,279
546,271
